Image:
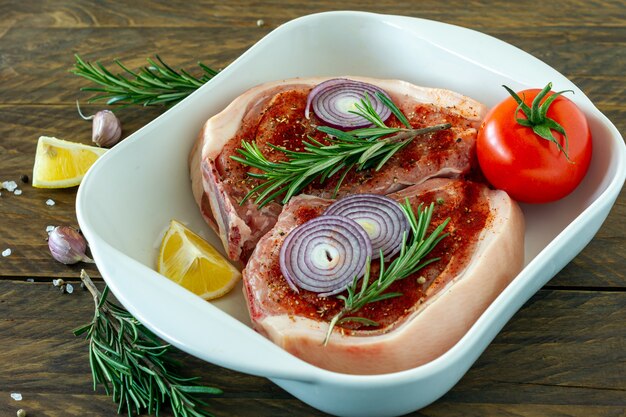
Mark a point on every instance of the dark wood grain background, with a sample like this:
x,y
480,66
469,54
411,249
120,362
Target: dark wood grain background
x,y
563,354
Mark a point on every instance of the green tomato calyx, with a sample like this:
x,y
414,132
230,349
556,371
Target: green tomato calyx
x,y
536,117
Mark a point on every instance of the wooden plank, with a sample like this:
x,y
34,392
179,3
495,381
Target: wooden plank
x,y
571,13
70,405
555,356
524,410
74,405
26,82
603,48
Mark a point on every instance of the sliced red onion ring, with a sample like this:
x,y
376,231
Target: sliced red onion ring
x,y
333,100
382,218
324,255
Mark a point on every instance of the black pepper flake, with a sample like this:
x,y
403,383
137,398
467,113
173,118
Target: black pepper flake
x,y
458,140
25,179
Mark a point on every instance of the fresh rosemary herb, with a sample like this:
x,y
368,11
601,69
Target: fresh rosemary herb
x,y
366,148
133,364
413,250
155,84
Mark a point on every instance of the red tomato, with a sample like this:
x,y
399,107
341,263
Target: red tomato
x,y
529,168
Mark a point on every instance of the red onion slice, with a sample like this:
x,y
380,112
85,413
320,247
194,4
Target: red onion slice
x,y
381,217
324,255
333,100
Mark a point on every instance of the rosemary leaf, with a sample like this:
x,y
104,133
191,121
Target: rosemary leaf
x,y
155,84
361,320
134,366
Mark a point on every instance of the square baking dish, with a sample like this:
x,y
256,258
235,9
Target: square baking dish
x,y
129,196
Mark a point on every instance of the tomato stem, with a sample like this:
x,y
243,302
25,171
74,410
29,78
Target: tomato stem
x,y
536,116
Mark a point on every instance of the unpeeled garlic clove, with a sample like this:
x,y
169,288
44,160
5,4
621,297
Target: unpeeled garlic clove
x,y
106,129
67,245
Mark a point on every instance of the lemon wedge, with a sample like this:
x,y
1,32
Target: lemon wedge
x,y
62,164
188,260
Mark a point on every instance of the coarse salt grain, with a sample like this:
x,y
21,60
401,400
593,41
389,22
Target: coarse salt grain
x,y
69,288
6,252
260,22
9,185
50,202
16,396
58,282
17,192
49,229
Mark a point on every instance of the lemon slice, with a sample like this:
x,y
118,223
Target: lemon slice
x,y
61,164
190,261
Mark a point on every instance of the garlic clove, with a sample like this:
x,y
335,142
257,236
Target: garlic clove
x,y
106,129
67,245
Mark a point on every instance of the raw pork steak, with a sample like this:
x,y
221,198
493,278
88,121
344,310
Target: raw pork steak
x,y
273,113
482,254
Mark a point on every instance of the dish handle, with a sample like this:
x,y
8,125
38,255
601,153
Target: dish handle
x,y
217,337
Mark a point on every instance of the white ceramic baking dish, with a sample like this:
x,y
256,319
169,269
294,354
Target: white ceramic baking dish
x,y
131,193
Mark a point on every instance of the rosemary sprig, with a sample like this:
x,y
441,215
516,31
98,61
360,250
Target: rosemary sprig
x,y
133,364
413,250
366,148
155,84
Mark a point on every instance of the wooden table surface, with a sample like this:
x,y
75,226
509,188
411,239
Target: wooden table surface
x,y
563,354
